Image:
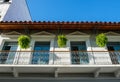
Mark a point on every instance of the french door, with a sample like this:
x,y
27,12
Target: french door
x,y
79,54
41,53
8,55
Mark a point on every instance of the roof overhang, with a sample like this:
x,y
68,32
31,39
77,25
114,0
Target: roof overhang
x,y
59,25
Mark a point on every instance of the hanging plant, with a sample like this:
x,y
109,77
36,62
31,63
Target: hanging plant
x,y
62,40
24,41
101,40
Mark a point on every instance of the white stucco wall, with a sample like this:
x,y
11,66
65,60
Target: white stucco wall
x,y
17,10
63,58
100,58
3,9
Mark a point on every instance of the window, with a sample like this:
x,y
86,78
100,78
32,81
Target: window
x,y
79,54
6,0
7,57
115,56
41,53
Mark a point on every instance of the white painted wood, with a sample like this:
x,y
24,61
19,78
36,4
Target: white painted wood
x,y
11,55
1,42
113,38
11,34
110,33
3,9
76,33
42,33
51,55
90,54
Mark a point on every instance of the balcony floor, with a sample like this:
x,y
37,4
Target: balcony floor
x,y
62,70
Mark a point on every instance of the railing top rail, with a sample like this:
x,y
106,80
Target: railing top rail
x,y
53,51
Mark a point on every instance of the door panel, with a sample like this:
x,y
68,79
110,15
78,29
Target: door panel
x,y
115,56
41,54
79,54
8,57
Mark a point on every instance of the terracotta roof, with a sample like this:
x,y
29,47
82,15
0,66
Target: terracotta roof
x,y
59,24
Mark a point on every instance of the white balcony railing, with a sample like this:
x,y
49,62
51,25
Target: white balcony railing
x,y
45,57
59,62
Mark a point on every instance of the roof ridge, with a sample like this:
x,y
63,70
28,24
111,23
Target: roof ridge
x,y
63,22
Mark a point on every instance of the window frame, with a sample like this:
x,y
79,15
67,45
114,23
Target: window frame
x,y
10,40
84,38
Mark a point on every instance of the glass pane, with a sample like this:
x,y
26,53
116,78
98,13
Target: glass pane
x,y
8,57
115,56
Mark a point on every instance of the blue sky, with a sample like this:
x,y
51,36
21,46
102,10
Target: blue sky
x,y
74,10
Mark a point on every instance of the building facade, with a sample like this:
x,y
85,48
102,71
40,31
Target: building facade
x,y
80,58
14,10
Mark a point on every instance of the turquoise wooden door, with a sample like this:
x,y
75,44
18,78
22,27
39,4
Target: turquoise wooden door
x,y
8,57
79,54
115,56
41,54
117,48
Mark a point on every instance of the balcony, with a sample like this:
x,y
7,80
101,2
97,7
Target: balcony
x,y
44,57
19,62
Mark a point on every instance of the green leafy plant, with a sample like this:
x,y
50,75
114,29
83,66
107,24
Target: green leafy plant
x,y
24,41
62,40
101,40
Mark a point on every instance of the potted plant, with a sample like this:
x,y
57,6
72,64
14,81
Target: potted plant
x,y
62,40
101,40
24,41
